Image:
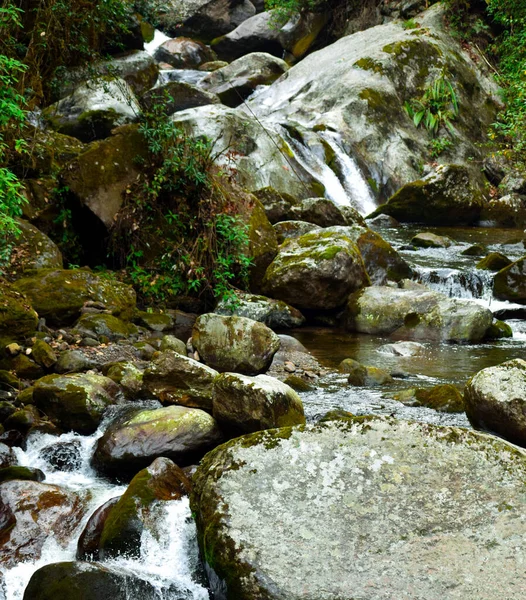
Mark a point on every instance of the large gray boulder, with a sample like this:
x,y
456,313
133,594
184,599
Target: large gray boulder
x,y
235,82
316,271
495,400
510,282
417,314
244,404
234,343
363,508
178,95
184,53
94,109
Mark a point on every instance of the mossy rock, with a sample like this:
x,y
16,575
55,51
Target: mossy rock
x,y
34,250
499,330
475,250
43,354
121,534
263,243
494,261
23,366
18,319
381,260
510,283
75,402
278,205
58,295
430,240
443,398
24,473
156,321
292,229
129,376
96,325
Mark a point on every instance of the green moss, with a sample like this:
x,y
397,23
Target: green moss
x,y
369,64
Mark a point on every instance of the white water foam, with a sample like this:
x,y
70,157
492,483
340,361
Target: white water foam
x,y
158,39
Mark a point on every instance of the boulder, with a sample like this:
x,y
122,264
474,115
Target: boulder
x,y
86,581
43,354
475,250
21,474
123,526
316,271
33,250
293,229
495,400
58,295
170,342
7,456
202,19
40,512
262,243
178,95
113,328
443,398
494,261
278,205
402,349
156,321
273,313
430,240
264,33
243,404
417,314
94,109
510,282
234,343
280,512
182,434
17,318
73,361
235,82
184,53
447,195
176,379
508,211
360,375
129,376
99,176
513,183
75,402
88,546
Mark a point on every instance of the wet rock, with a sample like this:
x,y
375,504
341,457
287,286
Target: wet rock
x,y
449,194
262,33
508,211
213,65
278,205
23,366
59,295
494,261
510,282
17,318
475,250
88,545
75,402
178,95
383,222
176,432
417,314
495,400
235,82
293,229
184,53
316,271
43,354
177,379
41,511
402,349
443,398
273,313
360,375
12,439
122,529
430,240
129,376
499,330
73,361
94,109
243,404
344,476
34,250
113,328
86,581
7,457
298,384
21,474
234,343
63,456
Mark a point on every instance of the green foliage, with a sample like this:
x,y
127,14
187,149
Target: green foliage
x,y
285,9
410,24
179,232
436,108
438,146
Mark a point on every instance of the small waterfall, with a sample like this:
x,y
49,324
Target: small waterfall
x,y
472,284
158,39
190,76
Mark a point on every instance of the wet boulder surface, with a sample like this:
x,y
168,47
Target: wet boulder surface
x,y
363,508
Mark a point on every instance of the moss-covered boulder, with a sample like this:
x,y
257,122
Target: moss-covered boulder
x,y
349,488
86,581
417,314
430,240
292,229
361,375
74,361
443,398
34,250
243,404
316,271
156,321
41,512
58,295
494,261
448,195
170,342
176,379
21,473
498,330
121,533
263,243
129,444
236,81
495,400
99,176
510,283
234,343
75,402
17,317
96,325
382,262
475,250
94,109
278,205
273,313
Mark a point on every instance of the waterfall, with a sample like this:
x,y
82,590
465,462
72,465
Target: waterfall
x,y
473,284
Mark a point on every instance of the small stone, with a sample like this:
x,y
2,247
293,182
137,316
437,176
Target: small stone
x,y
289,366
310,374
13,349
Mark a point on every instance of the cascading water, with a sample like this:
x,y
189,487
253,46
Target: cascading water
x,y
168,558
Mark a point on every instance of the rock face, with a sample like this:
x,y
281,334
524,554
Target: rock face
x,y
235,82
234,343
495,400
75,402
182,434
184,53
58,295
510,282
17,317
508,211
416,315
316,271
39,511
177,379
34,250
350,488
447,195
245,404
177,95
94,109
273,313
